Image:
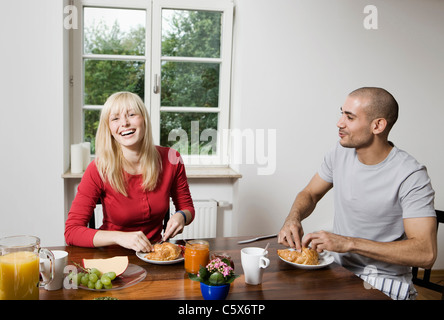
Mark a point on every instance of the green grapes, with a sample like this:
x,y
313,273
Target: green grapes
x,y
98,285
92,278
105,280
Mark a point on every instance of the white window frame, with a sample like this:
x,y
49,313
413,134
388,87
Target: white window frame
x,y
153,60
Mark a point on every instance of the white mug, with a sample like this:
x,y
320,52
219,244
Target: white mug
x,y
61,260
254,261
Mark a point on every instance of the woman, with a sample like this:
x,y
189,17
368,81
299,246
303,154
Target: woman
x,y
134,180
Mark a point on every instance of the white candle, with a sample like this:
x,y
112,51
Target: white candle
x,y
76,158
86,146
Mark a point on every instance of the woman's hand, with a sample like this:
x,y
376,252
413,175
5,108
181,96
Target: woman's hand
x,y
175,226
135,240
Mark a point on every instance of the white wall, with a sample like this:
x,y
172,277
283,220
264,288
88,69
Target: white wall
x,y
32,110
294,64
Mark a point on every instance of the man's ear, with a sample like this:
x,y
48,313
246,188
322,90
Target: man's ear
x,y
379,125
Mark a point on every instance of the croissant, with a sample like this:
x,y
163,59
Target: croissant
x,y
307,256
164,252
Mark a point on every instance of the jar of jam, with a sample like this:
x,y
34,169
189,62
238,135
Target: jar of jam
x,y
197,254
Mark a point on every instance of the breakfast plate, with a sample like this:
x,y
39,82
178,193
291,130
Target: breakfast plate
x,y
325,259
132,275
141,256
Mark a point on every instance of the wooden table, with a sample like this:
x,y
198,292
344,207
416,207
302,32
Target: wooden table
x,y
281,281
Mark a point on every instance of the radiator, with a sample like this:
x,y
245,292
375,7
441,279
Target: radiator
x,y
204,223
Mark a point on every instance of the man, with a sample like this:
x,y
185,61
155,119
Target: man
x,y
384,213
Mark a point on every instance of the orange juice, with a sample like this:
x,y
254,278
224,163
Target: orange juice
x,y
197,253
19,276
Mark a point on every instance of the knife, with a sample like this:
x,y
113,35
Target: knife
x,y
257,238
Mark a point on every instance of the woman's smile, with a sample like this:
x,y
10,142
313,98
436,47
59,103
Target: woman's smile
x,y
128,132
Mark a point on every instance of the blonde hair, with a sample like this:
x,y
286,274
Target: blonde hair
x,y
109,156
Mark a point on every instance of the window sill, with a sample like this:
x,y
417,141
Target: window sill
x,y
193,172
211,172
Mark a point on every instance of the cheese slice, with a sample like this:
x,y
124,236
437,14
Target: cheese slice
x,y
116,264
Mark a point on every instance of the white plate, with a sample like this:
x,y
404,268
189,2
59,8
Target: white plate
x,y
141,256
325,259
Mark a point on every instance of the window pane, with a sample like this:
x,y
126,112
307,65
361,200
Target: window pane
x,y
191,33
104,77
91,122
189,84
189,133
114,31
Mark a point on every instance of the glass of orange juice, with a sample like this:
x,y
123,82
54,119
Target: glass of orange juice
x,y
197,254
20,267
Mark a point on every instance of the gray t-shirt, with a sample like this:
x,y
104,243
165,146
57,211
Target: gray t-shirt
x,y
371,202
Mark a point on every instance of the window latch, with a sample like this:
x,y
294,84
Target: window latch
x,y
156,84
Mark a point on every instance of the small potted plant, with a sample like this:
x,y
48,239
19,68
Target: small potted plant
x,y
215,279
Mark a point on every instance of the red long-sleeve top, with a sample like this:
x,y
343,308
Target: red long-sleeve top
x,y
140,210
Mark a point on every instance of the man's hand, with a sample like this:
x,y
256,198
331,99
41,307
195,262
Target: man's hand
x,y
291,233
323,240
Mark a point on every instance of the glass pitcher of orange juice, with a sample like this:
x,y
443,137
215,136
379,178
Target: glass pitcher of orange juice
x,y
197,254
20,267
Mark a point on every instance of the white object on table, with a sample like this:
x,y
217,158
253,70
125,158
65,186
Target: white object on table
x,y
86,147
76,158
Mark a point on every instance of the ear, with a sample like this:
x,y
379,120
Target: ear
x,y
379,125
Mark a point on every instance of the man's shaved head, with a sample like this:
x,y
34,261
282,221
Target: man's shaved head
x,y
379,103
